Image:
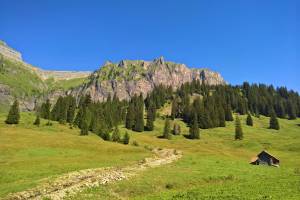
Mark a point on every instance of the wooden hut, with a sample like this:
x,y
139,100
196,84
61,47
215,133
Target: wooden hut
x,y
265,158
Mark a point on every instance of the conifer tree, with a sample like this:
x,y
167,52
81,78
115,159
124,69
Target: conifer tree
x,y
228,113
84,128
13,116
238,129
45,110
174,109
129,116
116,135
150,118
194,128
139,115
249,120
167,130
274,124
71,109
37,121
126,138
222,122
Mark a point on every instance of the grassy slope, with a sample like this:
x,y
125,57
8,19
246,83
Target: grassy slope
x,y
29,153
216,167
20,78
65,84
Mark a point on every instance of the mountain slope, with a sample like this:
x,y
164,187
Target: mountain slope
x,y
128,78
32,85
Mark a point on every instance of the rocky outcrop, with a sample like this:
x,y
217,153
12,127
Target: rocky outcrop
x,y
127,78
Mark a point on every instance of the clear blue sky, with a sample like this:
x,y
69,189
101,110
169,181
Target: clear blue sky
x,y
244,40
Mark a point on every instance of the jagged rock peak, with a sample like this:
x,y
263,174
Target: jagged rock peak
x,y
108,62
130,77
159,60
122,63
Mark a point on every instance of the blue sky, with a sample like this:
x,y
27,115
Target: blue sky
x,y
244,40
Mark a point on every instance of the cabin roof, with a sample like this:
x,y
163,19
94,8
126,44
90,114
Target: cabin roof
x,y
264,151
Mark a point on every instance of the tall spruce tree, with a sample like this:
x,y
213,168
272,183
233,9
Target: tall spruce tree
x,y
174,109
222,122
228,113
13,116
194,128
84,127
116,135
150,118
238,129
249,120
274,124
139,115
167,130
129,121
45,110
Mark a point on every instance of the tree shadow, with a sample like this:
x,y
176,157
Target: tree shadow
x,y
187,136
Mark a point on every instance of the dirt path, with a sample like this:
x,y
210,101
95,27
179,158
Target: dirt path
x,y
74,182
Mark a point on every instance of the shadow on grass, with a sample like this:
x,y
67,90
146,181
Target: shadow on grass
x,y
187,136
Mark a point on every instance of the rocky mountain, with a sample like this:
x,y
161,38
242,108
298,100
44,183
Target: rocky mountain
x,y
126,78
31,85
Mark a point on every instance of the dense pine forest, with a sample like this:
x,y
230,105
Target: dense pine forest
x,y
197,104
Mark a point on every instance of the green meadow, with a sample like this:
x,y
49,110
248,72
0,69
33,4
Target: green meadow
x,y
214,167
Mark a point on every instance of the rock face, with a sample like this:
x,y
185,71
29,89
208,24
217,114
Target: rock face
x,y
127,78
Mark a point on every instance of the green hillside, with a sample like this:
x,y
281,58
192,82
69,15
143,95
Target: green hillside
x,y
21,79
214,167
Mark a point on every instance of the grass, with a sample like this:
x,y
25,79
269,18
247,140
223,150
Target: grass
x,y
214,167
22,80
64,84
29,154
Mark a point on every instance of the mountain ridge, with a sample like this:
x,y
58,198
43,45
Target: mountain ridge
x,y
124,79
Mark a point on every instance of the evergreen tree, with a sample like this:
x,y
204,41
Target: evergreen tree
x,y
249,120
130,116
228,113
45,110
116,135
126,138
274,124
37,121
176,129
139,115
222,122
150,118
84,128
238,129
71,109
13,116
194,128
174,109
167,130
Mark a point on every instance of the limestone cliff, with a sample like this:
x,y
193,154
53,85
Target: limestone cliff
x,y
127,78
